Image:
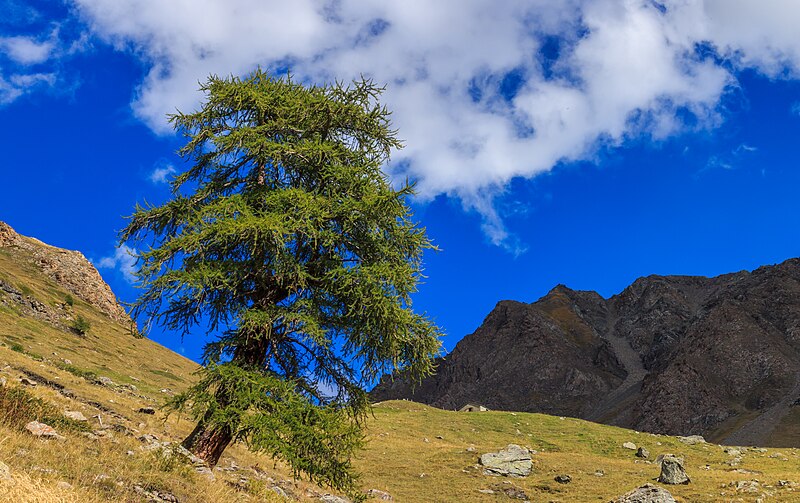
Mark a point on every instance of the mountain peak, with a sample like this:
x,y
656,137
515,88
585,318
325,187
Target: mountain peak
x,y
69,269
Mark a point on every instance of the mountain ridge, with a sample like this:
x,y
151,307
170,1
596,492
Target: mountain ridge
x,y
668,354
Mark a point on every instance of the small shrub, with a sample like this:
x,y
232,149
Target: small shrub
x,y
18,407
17,347
69,300
81,325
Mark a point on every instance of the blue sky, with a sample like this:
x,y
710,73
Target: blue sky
x,y
583,143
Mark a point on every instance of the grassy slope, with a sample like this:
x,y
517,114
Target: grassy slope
x,y
398,459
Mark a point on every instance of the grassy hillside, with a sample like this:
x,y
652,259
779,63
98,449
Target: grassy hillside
x,y
415,453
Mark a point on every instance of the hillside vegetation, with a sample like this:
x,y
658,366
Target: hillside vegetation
x,y
414,452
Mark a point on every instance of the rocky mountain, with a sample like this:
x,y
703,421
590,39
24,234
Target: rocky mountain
x,y
679,355
68,269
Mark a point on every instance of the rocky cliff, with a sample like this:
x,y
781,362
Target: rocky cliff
x,y
670,354
69,269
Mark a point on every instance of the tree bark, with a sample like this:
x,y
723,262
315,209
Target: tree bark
x,y
208,442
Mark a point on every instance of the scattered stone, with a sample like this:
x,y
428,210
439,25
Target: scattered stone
x,y
42,430
101,478
563,479
486,491
672,471
629,445
647,493
332,498
513,461
440,437
67,361
471,448
146,410
105,381
732,451
643,453
129,453
786,483
279,491
27,382
599,473
692,439
64,486
747,486
75,415
3,381
510,490
377,494
5,471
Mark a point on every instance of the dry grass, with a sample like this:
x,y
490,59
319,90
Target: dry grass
x,y
397,458
398,455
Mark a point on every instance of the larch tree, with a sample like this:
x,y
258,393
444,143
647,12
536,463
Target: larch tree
x,y
285,240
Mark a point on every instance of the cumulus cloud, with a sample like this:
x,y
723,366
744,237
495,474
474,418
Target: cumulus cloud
x,y
123,260
162,174
482,91
27,50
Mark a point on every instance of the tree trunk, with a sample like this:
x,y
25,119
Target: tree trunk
x,y
208,442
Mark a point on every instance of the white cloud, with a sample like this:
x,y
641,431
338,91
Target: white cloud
x,y
624,68
15,85
162,174
27,50
123,260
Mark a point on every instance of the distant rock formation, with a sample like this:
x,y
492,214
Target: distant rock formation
x,y
670,354
69,269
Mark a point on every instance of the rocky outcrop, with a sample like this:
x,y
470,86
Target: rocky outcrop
x,y
513,461
680,355
69,269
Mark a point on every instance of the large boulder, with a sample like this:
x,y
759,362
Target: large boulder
x,y
42,430
647,493
672,471
513,461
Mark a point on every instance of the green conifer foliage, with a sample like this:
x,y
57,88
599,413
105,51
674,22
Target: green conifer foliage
x,y
286,241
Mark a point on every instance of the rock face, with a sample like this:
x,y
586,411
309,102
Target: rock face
x,y
513,461
680,355
69,269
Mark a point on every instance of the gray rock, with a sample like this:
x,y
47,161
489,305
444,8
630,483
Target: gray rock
x,y
563,479
692,439
377,494
27,382
733,451
75,415
513,461
672,471
647,493
629,445
510,490
105,381
642,453
332,498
